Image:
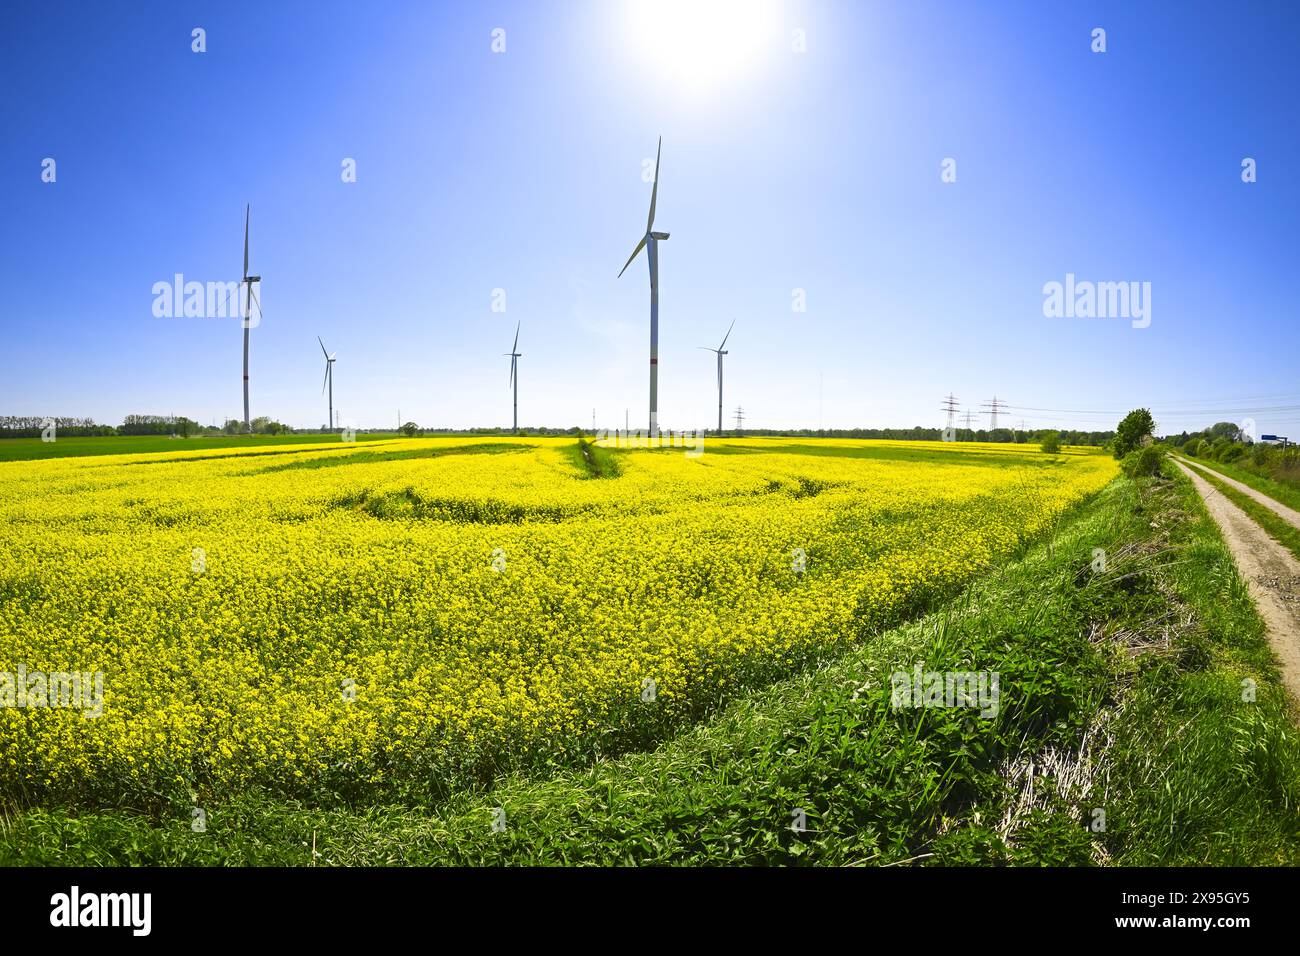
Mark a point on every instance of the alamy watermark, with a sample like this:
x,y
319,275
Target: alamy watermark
x,y
691,441
79,690
978,690
1098,300
75,908
180,299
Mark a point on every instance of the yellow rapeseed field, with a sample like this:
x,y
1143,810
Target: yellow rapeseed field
x,y
411,616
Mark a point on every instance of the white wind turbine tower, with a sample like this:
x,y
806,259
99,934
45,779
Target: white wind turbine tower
x,y
514,373
720,352
652,239
248,314
329,379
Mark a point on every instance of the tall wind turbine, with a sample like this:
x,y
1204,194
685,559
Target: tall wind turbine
x,y
652,240
329,379
514,373
248,314
720,352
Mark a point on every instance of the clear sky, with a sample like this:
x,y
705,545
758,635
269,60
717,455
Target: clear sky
x,y
522,170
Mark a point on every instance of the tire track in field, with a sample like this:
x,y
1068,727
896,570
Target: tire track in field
x,y
1271,572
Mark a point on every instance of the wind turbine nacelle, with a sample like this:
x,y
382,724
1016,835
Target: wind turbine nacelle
x,y
659,235
253,279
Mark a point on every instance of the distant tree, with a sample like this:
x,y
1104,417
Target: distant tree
x,y
1131,433
264,425
1227,430
233,426
150,425
410,429
1050,442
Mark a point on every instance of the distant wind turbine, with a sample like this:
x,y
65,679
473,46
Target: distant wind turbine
x,y
514,373
720,352
329,379
652,239
248,314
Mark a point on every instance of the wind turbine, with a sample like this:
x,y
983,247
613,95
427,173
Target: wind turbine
x,y
514,373
329,379
720,352
652,240
248,314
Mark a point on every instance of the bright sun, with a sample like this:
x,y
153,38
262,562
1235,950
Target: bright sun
x,y
699,45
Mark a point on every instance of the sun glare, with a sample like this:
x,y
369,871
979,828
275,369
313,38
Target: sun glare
x,y
700,45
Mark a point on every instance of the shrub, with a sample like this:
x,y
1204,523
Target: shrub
x,y
1050,442
1230,453
1193,447
1143,463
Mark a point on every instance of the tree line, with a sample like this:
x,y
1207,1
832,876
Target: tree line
x,y
31,426
34,426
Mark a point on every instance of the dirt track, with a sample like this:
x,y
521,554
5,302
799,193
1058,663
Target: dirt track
x,y
1282,511
1270,570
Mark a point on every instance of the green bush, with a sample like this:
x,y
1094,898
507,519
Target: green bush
x,y
1050,442
1143,463
1130,433
1192,448
1230,453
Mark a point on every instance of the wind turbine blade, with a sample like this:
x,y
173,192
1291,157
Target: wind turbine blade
x,y
654,191
512,372
514,347
325,381
639,246
728,335
247,212
322,349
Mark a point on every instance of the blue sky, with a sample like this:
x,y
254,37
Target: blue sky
x,y
782,170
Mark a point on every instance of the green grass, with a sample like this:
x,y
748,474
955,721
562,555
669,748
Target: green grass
x,y
27,449
1141,662
593,461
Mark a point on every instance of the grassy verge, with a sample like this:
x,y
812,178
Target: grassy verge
x,y
1276,527
1139,721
